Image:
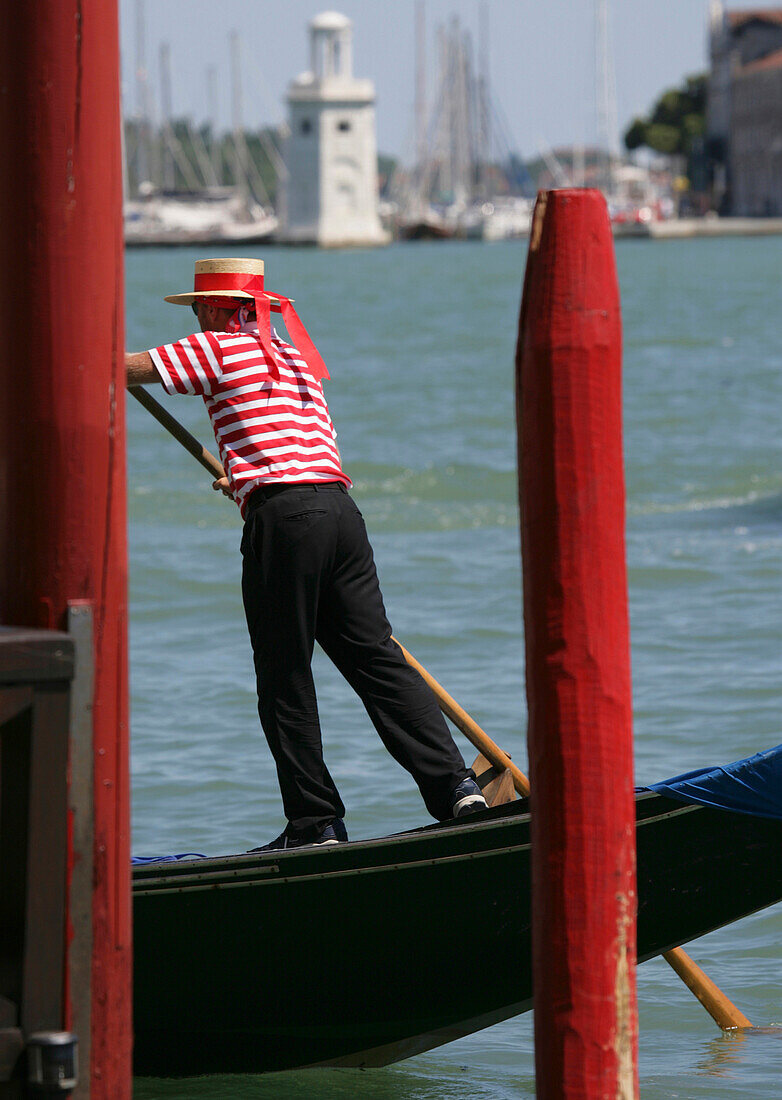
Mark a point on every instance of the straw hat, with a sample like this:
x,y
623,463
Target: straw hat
x,y
232,279
226,278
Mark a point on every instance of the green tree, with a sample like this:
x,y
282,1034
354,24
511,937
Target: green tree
x,y
676,123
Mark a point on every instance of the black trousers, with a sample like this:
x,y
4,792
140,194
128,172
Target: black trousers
x,y
309,574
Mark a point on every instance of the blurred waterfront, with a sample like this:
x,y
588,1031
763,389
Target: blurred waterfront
x,y
420,341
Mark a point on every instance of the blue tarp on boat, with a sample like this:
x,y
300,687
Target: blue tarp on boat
x,y
749,786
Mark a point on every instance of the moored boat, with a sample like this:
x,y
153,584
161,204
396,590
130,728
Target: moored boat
x,y
212,215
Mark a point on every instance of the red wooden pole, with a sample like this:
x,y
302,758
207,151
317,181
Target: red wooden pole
x,y
578,654
62,439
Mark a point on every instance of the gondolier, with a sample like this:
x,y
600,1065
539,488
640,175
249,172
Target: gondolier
x,y
308,569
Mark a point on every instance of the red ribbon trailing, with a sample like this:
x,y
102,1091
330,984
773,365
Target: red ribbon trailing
x,y
253,284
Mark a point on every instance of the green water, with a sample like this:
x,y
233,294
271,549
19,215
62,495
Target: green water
x,y
419,340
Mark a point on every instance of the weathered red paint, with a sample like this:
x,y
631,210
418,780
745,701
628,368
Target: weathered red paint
x,y
569,416
62,445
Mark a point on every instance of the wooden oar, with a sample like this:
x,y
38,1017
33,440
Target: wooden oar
x,y
469,727
720,1008
188,441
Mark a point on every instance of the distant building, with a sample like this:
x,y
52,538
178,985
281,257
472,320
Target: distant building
x,y
744,111
756,138
331,195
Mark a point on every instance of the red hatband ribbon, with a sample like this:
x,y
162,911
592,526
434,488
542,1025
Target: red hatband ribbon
x,y
264,304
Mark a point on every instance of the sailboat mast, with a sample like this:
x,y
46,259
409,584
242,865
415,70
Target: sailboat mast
x,y
214,145
607,124
142,98
420,100
248,178
169,174
465,116
240,149
484,113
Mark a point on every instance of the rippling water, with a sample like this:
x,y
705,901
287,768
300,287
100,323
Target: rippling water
x,y
419,340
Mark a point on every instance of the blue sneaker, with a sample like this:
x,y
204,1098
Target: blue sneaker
x,y
467,799
341,833
335,833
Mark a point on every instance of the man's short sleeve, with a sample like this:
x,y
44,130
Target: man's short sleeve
x,y
191,365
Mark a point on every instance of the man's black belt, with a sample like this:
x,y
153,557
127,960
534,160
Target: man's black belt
x,y
264,492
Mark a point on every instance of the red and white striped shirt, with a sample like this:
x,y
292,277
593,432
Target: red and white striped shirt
x,y
268,431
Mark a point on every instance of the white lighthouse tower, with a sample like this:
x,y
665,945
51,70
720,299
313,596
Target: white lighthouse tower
x,y
330,197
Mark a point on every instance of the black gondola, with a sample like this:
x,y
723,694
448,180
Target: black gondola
x,y
359,954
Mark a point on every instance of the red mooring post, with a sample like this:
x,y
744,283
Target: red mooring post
x,y
62,437
571,486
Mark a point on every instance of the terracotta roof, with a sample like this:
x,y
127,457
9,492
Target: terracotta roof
x,y
770,61
737,19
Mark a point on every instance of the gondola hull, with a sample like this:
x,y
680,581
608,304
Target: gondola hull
x,y
366,953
